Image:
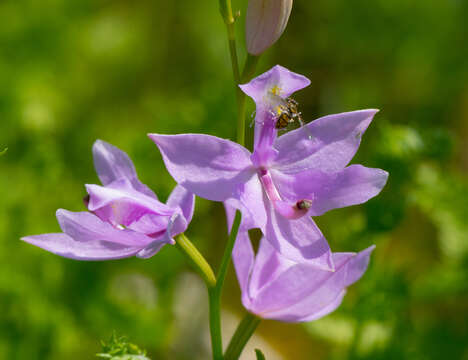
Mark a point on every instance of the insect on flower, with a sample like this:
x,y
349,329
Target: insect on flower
x,y
287,113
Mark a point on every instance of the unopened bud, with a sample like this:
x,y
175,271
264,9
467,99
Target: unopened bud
x,y
265,22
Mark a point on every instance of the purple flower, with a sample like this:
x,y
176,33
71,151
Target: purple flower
x,y
274,287
287,179
125,217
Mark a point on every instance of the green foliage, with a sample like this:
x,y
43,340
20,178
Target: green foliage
x,y
118,348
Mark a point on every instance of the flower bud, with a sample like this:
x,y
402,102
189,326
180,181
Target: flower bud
x,y
265,22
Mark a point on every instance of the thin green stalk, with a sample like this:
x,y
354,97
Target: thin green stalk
x,y
249,70
242,335
204,269
197,259
214,293
228,251
215,323
249,67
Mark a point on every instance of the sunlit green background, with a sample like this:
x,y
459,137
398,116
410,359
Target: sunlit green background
x,y
73,71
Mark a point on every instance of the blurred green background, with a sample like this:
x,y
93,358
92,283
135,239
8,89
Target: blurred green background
x,y
74,71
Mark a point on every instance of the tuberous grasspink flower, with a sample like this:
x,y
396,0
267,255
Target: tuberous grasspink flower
x,y
125,217
265,23
274,287
286,179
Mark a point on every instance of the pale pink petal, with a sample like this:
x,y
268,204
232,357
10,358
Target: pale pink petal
x,y
112,164
84,226
327,144
208,166
298,240
353,185
64,245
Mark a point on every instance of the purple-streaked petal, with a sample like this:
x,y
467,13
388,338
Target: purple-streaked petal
x,y
269,264
304,293
353,185
243,259
358,265
297,283
252,203
264,137
328,143
278,80
332,306
151,249
150,224
298,240
120,204
183,199
112,164
208,166
175,226
84,226
64,245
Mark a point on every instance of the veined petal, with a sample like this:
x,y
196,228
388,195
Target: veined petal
x,y
327,144
298,240
176,225
305,293
277,81
208,166
252,203
84,226
269,264
112,164
64,245
353,185
183,199
150,224
243,259
120,204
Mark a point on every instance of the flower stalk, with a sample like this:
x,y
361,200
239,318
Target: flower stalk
x,y
241,336
196,259
213,284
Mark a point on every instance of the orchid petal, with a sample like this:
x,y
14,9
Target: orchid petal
x,y
208,166
120,204
66,246
243,259
112,164
252,203
298,240
328,143
183,199
278,79
269,264
150,250
304,293
84,226
353,185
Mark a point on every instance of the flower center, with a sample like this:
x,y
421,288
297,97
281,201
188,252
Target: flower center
x,y
286,209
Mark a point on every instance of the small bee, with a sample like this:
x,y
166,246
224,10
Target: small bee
x,y
287,113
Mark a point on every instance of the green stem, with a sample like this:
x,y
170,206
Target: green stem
x,y
215,323
197,259
214,293
203,268
249,67
242,335
249,70
228,251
